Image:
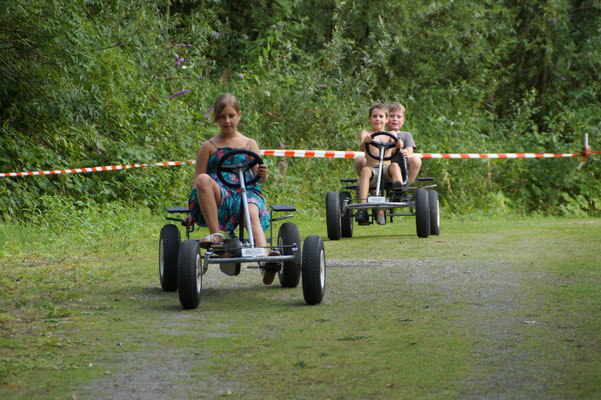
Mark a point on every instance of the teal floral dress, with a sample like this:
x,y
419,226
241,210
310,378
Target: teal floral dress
x,y
228,213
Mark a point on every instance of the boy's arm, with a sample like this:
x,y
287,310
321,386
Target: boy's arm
x,y
409,144
364,137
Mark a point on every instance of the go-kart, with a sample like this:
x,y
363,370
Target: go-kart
x,y
422,202
182,264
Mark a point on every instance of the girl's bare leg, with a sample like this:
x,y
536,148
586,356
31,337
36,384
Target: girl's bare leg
x,y
255,223
209,198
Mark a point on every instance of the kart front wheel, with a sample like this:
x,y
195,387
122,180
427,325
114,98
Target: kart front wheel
x,y
168,250
288,236
189,274
422,213
346,219
314,270
434,212
333,215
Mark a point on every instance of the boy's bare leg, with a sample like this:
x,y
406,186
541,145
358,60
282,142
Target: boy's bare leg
x,y
364,178
395,172
359,164
413,164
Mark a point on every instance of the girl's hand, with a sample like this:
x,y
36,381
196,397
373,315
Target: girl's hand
x,y
262,172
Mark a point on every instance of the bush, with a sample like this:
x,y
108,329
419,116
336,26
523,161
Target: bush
x,y
89,83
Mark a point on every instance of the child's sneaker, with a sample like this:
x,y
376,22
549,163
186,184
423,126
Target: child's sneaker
x,y
362,218
381,217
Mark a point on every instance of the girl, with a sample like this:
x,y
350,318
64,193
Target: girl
x,y
216,206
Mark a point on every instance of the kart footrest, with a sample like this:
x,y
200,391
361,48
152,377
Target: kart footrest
x,y
348,180
425,179
283,207
174,210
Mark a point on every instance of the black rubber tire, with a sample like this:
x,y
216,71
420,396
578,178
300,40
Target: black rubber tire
x,y
346,220
314,270
333,215
189,277
434,212
168,250
422,213
290,272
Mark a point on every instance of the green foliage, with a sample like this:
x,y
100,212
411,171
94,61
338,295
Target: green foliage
x,y
89,83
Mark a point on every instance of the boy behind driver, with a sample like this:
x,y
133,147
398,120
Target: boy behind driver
x,y
391,172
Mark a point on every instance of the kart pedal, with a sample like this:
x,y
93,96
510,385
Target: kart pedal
x,y
283,207
173,210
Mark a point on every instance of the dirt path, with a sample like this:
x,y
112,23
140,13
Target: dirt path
x,y
491,299
514,309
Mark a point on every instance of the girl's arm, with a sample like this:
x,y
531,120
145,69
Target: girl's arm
x,y
202,159
261,169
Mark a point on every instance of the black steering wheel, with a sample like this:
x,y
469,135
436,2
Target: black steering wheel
x,y
245,166
381,145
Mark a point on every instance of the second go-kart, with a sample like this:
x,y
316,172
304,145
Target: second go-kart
x,y
182,264
422,202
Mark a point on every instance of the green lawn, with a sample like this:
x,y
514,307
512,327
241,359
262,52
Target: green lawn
x,y
491,308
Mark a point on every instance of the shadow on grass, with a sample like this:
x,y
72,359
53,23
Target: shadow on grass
x,y
254,296
373,236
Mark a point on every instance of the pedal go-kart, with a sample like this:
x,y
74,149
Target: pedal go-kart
x,y
422,202
182,264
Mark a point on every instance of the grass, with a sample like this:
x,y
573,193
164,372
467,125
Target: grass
x,y
491,308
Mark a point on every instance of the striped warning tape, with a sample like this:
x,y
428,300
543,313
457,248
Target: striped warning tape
x,y
500,155
94,169
353,154
307,154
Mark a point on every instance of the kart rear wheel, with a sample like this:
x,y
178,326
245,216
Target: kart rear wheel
x,y
290,272
189,274
168,249
346,219
314,270
434,212
422,213
333,215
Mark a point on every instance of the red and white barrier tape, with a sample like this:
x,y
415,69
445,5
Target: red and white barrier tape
x,y
309,154
312,153
499,155
353,154
94,169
